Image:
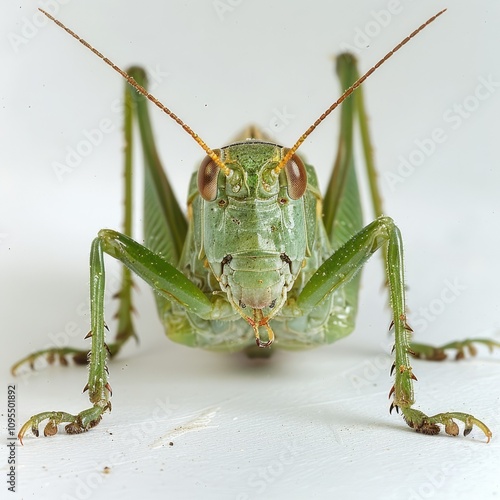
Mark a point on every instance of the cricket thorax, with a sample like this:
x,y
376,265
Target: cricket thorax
x,y
253,232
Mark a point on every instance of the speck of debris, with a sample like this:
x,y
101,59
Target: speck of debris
x,y
171,443
106,470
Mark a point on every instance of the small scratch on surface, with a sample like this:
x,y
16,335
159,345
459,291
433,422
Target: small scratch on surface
x,y
196,424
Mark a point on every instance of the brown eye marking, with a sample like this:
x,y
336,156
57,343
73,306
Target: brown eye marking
x,y
296,177
207,179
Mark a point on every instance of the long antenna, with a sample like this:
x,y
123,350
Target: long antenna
x,y
226,171
145,93
348,92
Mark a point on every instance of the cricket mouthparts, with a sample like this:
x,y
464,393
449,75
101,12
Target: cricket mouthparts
x,y
256,323
258,320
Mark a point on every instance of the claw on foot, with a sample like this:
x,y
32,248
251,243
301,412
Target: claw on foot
x,y
82,422
429,425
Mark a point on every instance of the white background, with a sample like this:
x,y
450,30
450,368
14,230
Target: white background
x,y
304,424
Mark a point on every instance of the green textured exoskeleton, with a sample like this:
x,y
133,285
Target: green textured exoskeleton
x,y
259,251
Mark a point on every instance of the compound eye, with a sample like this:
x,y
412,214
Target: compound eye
x,y
207,179
296,177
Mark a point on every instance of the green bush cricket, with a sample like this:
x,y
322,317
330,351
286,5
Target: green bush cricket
x,y
260,256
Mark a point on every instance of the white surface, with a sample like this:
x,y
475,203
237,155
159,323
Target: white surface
x,y
305,424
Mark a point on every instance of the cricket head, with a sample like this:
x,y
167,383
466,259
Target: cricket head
x,y
254,227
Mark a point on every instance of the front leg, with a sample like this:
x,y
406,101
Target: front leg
x,y
338,270
97,385
162,277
